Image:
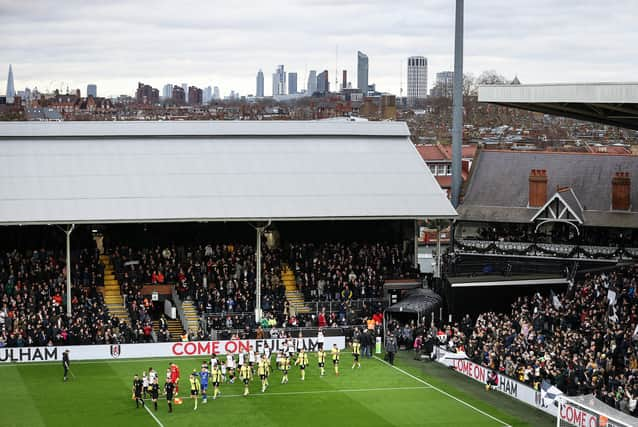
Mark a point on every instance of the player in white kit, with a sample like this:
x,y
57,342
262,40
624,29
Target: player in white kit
x,y
230,368
267,353
145,383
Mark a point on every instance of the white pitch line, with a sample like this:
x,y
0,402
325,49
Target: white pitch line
x,y
354,390
91,362
445,393
159,423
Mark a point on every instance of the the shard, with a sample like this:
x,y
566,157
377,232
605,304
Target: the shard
x,y
11,91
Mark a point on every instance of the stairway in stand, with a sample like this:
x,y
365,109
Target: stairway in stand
x,y
190,313
174,327
294,295
112,293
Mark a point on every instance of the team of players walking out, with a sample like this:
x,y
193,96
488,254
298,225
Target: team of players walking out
x,y
215,372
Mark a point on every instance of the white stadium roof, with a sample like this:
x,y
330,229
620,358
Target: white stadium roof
x,y
608,103
107,172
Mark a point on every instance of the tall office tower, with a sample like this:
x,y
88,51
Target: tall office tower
x,y
178,95
208,95
292,83
323,84
216,94
167,91
444,84
362,72
91,90
145,94
312,82
279,81
260,84
344,79
195,95
11,90
185,87
417,79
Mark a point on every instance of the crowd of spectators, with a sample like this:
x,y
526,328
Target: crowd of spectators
x,y
344,271
33,301
217,278
584,340
220,280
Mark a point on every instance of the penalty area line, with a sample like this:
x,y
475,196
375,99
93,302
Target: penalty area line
x,y
445,393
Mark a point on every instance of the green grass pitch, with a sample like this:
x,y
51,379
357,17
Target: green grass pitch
x,y
374,395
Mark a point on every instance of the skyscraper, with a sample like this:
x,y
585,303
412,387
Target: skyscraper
x,y
195,95
260,84
185,87
216,94
11,90
208,95
145,94
444,84
178,95
279,81
312,82
323,84
344,79
362,72
91,90
292,83
417,79
167,91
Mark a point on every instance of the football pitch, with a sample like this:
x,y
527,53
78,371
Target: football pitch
x,y
377,394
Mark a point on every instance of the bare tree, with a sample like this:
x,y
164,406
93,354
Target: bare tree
x,y
470,87
490,77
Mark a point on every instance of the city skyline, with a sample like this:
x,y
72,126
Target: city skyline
x,y
158,45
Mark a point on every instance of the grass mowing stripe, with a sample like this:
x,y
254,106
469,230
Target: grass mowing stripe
x,y
355,390
445,393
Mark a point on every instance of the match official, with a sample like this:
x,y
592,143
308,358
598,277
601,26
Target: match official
x,y
65,363
391,347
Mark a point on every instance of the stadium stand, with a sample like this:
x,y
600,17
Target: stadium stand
x,y
584,340
344,271
32,292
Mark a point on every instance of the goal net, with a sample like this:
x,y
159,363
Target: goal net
x,y
587,411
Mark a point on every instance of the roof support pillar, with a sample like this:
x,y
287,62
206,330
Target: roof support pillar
x,y
416,245
260,231
68,232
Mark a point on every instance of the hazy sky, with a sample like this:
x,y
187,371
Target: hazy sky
x,y
117,43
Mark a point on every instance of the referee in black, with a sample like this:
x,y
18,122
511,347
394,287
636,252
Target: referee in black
x,y
65,363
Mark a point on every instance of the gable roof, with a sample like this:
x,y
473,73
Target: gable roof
x,y
439,152
563,205
100,172
498,186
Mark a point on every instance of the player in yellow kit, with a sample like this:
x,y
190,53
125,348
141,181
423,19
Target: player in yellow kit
x,y
336,354
246,374
302,361
262,371
356,352
285,366
321,360
216,378
195,386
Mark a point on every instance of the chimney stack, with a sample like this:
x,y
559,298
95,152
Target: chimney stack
x,y
537,188
621,191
